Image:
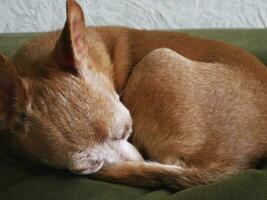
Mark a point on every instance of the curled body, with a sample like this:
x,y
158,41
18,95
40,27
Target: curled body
x,y
196,108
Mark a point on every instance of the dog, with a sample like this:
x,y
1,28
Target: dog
x,y
197,107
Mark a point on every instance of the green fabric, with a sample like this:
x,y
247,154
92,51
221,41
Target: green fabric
x,y
20,180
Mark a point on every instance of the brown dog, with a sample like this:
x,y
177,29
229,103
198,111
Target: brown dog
x,y
199,106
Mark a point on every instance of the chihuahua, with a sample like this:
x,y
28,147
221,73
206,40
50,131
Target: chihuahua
x,y
196,108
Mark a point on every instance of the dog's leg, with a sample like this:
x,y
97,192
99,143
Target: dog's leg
x,y
155,175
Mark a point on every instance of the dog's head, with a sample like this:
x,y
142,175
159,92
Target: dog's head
x,y
71,117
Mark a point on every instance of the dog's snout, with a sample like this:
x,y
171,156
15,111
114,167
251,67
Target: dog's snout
x,y
126,131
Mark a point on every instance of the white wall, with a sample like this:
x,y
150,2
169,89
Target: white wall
x,y
44,15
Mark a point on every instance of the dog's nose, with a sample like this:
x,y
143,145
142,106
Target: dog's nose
x,y
122,127
123,132
127,130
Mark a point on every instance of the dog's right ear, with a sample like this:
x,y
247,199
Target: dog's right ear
x,y
71,51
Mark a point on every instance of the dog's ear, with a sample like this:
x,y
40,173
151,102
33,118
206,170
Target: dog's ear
x,y
71,52
12,88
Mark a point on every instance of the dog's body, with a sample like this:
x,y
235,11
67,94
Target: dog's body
x,y
199,106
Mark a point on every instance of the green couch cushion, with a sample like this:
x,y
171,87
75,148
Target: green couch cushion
x,y
253,40
20,180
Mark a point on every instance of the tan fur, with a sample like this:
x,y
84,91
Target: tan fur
x,y
199,106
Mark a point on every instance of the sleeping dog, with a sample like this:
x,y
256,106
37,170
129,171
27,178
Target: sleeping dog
x,y
196,109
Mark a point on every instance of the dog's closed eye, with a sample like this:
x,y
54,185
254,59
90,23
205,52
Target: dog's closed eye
x,y
21,124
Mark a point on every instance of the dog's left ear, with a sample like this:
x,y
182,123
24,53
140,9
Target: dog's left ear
x,y
71,53
14,90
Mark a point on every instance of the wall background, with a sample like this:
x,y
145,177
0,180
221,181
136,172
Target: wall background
x,y
45,15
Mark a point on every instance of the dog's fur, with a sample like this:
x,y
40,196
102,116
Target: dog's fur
x,y
199,107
